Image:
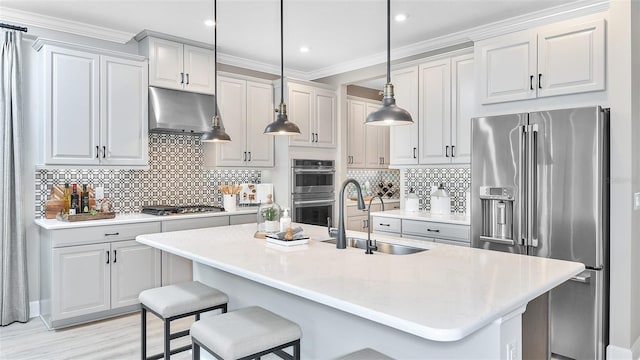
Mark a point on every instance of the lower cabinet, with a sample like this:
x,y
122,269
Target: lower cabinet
x,y
357,219
95,272
444,233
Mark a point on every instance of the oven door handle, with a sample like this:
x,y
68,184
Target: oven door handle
x,y
314,202
314,171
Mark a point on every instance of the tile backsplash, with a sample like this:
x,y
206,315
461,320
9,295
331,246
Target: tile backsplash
x,y
455,180
175,176
376,176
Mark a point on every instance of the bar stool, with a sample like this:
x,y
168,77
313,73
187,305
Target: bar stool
x,y
365,354
175,302
247,333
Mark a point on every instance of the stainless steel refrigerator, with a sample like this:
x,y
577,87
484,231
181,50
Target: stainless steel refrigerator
x,y
540,187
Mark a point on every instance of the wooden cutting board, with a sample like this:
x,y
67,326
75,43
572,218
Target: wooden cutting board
x,y
56,201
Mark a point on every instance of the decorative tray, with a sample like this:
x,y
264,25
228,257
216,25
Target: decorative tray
x,y
300,241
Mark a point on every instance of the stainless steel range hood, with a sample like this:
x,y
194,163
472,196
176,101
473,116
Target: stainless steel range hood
x,y
172,111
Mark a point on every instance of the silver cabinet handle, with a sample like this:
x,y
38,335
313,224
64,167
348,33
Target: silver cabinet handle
x,y
181,78
187,79
497,240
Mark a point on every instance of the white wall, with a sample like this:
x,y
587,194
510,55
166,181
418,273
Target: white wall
x,y
32,130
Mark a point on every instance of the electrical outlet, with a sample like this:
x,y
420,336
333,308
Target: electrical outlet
x,y
636,201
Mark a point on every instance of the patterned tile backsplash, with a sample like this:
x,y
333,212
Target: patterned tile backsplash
x,y
375,177
175,176
455,180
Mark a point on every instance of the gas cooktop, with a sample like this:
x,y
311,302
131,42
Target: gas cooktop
x,y
173,210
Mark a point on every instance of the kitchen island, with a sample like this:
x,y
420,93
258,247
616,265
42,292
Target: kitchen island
x,y
445,302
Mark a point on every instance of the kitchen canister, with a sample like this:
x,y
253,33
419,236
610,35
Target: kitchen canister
x,y
229,202
440,201
412,203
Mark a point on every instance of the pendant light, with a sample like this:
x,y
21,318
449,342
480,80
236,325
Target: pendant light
x,y
282,126
389,114
217,133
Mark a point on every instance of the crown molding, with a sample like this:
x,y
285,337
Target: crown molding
x,y
260,66
518,23
68,26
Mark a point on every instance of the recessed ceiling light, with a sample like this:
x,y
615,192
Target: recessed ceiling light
x,y
304,49
209,22
401,17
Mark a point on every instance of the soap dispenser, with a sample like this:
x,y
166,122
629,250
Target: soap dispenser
x,y
412,203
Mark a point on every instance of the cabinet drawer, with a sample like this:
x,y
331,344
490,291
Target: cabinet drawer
x,y
96,234
436,230
385,224
197,223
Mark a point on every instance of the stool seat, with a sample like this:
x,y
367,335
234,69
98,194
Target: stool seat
x,y
172,300
365,354
244,332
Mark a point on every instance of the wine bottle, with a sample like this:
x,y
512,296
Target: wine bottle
x,y
75,201
67,198
84,199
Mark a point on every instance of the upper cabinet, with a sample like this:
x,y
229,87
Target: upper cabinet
x,y
245,108
368,146
559,59
95,106
440,97
178,66
313,108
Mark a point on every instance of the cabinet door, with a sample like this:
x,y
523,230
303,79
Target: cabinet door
x,y
404,138
260,113
134,267
356,134
435,112
356,223
372,136
232,102
325,118
384,145
175,269
72,113
301,111
166,64
199,68
507,67
571,59
462,105
123,111
81,280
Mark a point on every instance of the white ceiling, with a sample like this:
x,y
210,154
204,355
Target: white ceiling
x,y
337,31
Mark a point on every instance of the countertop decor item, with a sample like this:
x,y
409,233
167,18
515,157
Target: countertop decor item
x,y
412,203
440,201
217,133
282,125
268,218
389,113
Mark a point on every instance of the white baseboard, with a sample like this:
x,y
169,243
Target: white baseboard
x,y
34,309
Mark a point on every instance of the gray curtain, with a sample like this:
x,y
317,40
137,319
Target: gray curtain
x,y
14,298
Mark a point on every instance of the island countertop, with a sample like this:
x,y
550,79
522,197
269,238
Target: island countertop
x,y
442,294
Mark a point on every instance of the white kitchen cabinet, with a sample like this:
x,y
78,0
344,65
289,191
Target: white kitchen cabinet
x,y
245,108
130,264
95,106
404,138
94,272
179,66
313,108
367,146
463,98
434,112
558,59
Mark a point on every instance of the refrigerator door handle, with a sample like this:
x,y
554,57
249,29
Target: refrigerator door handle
x,y
532,131
522,236
584,278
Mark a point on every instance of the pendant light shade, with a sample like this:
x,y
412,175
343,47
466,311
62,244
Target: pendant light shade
x,y
389,114
282,125
217,133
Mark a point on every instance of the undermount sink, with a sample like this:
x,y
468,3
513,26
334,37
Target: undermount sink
x,y
383,247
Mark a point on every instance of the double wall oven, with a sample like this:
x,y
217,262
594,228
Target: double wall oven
x,y
312,191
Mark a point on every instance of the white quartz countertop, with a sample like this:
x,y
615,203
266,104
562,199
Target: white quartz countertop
x,y
442,294
133,218
460,219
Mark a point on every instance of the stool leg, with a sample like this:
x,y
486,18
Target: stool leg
x,y
296,350
143,335
167,341
195,352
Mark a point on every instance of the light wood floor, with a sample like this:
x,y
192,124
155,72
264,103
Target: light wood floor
x,y
116,338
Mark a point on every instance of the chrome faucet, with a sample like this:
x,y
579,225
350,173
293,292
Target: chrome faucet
x,y
341,235
370,245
